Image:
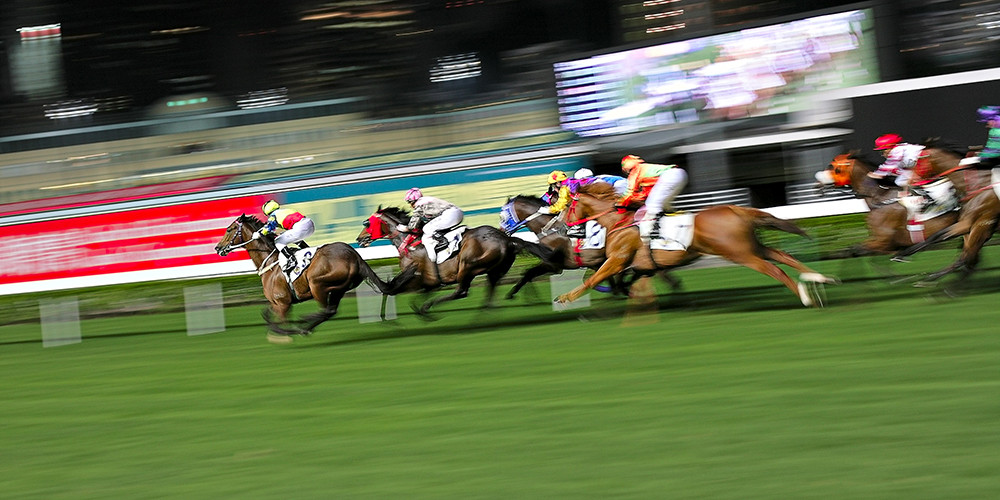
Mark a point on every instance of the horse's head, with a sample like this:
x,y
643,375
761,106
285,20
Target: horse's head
x,y
381,224
838,173
238,234
514,213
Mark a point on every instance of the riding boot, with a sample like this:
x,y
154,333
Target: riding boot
x,y
290,263
441,242
432,256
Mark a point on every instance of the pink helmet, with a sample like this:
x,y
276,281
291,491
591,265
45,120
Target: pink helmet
x,y
412,195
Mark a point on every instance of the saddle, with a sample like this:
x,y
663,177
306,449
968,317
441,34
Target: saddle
x,y
672,231
448,242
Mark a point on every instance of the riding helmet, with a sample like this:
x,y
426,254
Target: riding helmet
x,y
887,141
270,207
987,113
629,162
413,195
556,176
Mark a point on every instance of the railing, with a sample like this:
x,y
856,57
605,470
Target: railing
x,y
695,202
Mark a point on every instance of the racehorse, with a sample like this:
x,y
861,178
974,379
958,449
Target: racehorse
x,y
335,269
887,218
728,231
522,211
979,214
483,250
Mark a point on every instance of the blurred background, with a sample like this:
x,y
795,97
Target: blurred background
x,y
105,102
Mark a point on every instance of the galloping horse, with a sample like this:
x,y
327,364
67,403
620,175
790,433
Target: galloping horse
x,y
728,231
522,211
887,218
335,269
483,250
979,214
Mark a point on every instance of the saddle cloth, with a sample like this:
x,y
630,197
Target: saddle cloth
x,y
453,238
675,231
302,259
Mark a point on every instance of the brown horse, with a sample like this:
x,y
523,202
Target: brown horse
x,y
979,214
483,250
335,269
522,211
728,231
887,218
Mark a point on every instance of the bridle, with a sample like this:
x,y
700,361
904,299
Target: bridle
x,y
233,245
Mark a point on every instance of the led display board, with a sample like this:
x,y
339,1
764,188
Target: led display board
x,y
754,72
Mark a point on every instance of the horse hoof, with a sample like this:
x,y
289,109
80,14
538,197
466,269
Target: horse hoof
x,y
900,259
279,339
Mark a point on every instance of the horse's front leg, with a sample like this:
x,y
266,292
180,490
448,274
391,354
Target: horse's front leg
x,y
611,267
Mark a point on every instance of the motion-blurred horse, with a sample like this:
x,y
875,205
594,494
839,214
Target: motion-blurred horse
x,y
585,250
886,221
482,250
978,193
334,270
728,231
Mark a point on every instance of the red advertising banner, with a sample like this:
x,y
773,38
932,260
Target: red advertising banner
x,y
134,240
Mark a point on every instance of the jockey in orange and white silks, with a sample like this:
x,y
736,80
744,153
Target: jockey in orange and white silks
x,y
296,227
900,158
656,185
433,216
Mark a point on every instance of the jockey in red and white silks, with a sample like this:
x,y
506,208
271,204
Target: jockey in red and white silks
x,y
296,226
434,215
900,158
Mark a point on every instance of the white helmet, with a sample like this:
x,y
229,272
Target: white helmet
x,y
583,173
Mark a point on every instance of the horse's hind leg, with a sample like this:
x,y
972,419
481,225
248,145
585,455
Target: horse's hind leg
x,y
529,275
969,258
764,267
806,273
328,310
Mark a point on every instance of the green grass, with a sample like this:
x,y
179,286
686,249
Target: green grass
x,y
730,390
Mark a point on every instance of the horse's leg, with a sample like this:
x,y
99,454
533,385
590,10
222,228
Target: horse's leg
x,y
805,272
673,281
957,229
611,267
461,291
329,309
530,275
969,257
770,269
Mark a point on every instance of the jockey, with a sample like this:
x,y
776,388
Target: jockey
x,y
989,157
559,190
433,216
296,227
618,182
900,158
656,185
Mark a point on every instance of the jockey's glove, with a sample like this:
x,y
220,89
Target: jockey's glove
x,y
403,228
255,236
544,210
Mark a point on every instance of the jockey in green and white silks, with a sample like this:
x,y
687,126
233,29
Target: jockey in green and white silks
x,y
296,228
433,216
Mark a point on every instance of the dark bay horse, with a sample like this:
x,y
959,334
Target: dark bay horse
x,y
484,250
887,218
979,214
522,211
728,231
335,269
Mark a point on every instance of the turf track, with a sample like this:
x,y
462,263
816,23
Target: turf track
x,y
730,390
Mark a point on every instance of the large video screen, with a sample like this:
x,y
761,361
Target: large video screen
x,y
753,72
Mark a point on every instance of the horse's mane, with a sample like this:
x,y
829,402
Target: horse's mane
x,y
947,145
252,221
865,157
600,190
396,212
528,197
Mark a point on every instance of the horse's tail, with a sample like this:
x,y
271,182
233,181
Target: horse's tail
x,y
760,219
541,251
396,285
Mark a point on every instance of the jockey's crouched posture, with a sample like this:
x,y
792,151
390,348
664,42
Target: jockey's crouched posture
x,y
433,216
296,228
656,185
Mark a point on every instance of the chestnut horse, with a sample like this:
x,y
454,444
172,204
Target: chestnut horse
x,y
979,214
887,218
335,269
483,250
728,231
522,211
